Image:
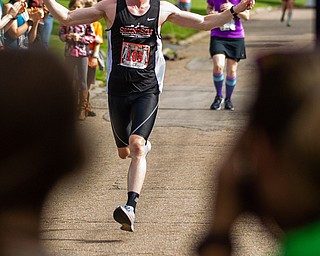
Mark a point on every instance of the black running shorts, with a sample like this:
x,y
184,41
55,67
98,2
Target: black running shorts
x,y
232,48
133,114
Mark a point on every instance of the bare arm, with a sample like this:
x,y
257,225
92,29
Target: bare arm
x,y
245,15
104,9
14,31
35,17
169,12
242,15
11,14
33,31
6,22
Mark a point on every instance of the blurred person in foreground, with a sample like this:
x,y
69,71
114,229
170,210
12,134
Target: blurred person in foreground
x,y
273,170
39,143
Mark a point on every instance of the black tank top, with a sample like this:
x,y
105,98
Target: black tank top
x,y
132,48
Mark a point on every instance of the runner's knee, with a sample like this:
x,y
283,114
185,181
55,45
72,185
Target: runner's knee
x,y
137,147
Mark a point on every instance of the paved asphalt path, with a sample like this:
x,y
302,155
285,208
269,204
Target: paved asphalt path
x,y
189,141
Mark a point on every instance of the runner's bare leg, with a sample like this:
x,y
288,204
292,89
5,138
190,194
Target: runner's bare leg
x,y
138,165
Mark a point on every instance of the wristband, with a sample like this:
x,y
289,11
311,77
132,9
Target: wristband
x,y
30,23
95,56
234,14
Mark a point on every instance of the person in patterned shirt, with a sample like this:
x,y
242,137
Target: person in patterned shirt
x,y
77,39
94,49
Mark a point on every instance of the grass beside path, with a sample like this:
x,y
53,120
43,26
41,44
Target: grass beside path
x,y
169,30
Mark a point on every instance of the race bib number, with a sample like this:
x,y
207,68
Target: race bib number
x,y
230,25
134,55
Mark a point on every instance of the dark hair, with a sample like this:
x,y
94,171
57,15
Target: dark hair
x,y
287,107
285,83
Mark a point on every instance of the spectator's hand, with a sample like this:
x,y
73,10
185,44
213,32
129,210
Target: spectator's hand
x,y
46,11
93,62
24,6
35,17
41,11
17,8
74,37
70,36
35,14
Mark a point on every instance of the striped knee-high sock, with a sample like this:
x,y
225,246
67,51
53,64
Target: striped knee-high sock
x,y
218,82
230,84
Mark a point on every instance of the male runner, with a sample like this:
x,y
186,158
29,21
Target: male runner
x,y
135,73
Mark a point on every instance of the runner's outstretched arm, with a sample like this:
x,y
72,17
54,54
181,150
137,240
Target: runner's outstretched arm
x,y
171,13
82,15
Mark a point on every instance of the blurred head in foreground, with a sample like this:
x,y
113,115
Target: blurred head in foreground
x,y
274,169
38,142
285,123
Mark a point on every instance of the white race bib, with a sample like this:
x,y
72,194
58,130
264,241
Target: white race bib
x,y
134,55
230,25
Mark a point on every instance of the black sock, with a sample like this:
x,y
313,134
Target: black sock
x,y
133,198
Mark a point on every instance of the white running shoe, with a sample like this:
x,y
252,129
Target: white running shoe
x,y
125,216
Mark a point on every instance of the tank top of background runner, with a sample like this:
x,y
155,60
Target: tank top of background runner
x,y
134,52
233,28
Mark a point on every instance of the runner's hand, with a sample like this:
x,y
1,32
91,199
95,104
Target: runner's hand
x,y
244,5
